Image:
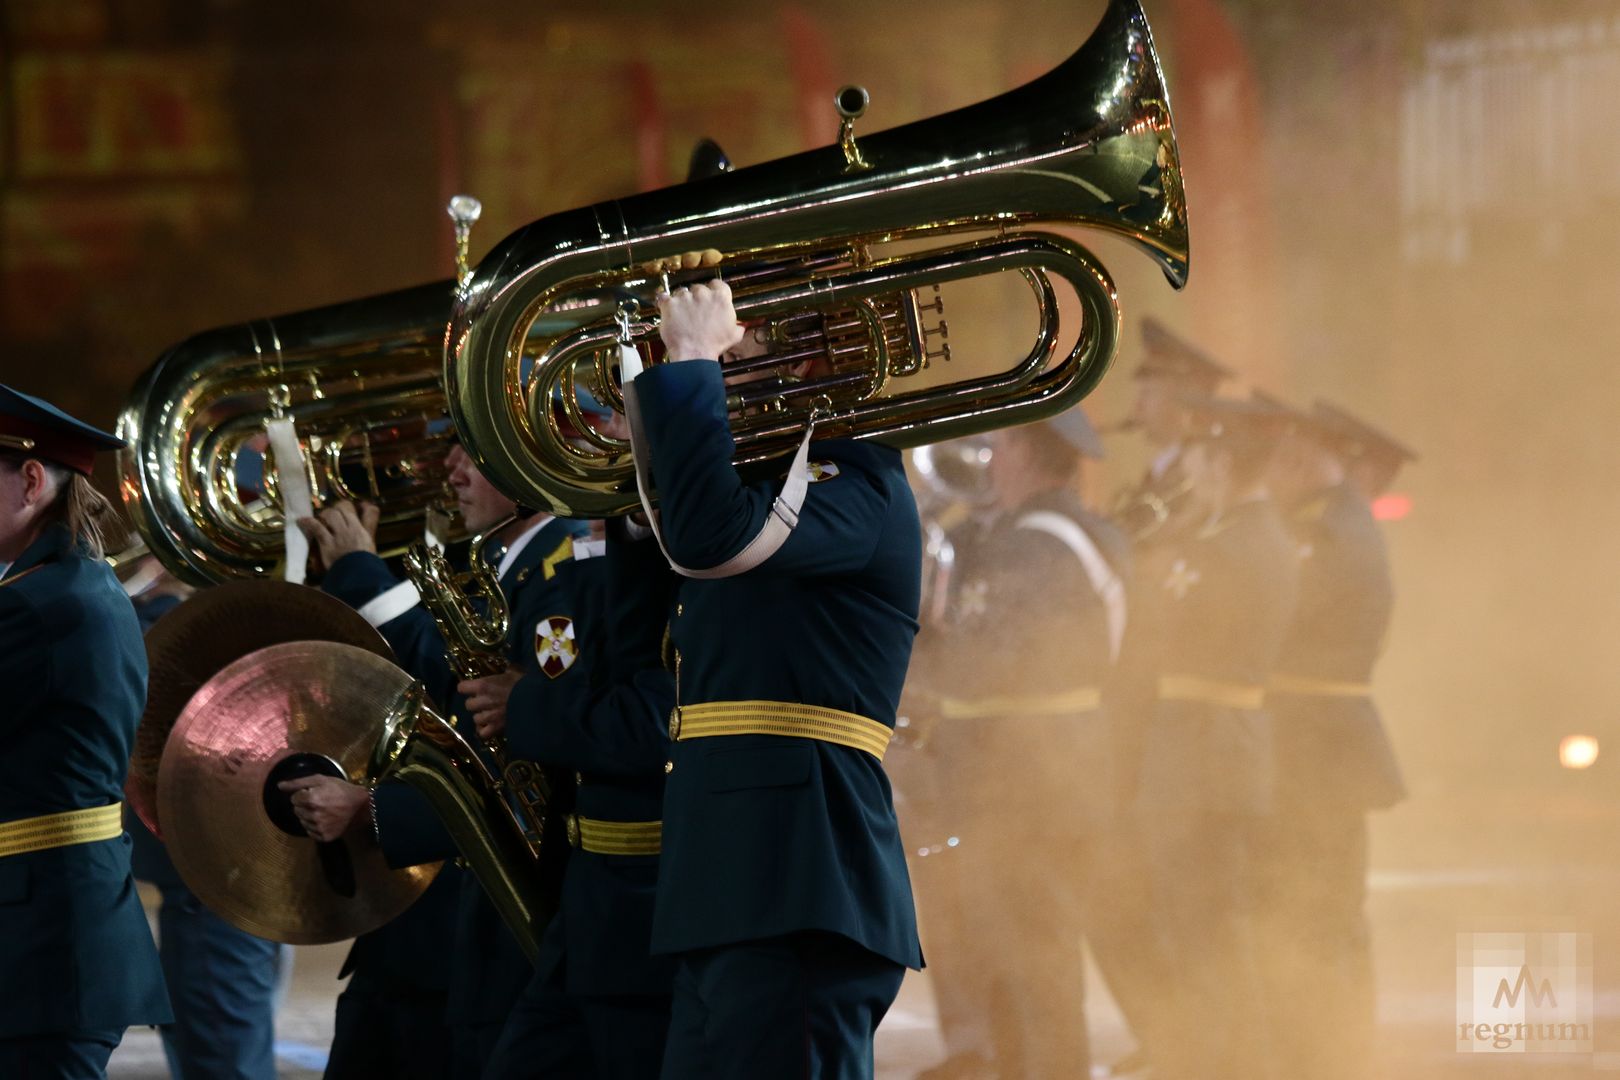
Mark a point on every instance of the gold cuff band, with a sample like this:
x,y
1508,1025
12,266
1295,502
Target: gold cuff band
x,y
780,718
1211,692
62,830
1084,699
1304,684
615,837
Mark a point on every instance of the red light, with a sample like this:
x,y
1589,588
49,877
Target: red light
x,y
1391,507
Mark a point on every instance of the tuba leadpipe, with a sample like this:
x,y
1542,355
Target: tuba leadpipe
x,y
1089,144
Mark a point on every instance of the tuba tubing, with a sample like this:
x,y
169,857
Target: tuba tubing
x,y
356,376
420,748
1072,147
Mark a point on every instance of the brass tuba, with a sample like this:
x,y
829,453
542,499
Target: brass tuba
x,y
822,246
360,381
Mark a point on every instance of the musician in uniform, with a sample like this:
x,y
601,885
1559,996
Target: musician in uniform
x,y
1203,764
487,969
77,962
782,892
598,1003
1371,458
1172,373
1021,760
1334,765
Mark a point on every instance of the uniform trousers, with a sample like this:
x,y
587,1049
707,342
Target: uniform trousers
x,y
1203,891
382,1034
77,1055
1003,922
1317,958
222,982
802,1006
571,1037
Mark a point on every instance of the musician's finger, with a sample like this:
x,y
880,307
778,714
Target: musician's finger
x,y
709,257
302,783
370,515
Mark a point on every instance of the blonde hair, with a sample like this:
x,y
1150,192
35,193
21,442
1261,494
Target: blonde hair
x,y
88,514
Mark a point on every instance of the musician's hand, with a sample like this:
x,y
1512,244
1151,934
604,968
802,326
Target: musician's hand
x,y
325,806
697,322
486,700
341,530
688,260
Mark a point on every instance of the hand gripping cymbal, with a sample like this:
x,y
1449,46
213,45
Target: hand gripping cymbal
x,y
213,628
284,711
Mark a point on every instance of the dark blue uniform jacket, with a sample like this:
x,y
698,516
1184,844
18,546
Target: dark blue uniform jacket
x,y
490,969
614,745
75,949
769,835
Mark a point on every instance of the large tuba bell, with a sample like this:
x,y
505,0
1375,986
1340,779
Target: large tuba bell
x,y
822,248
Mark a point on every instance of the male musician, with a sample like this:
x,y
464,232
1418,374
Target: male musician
x,y
1334,764
77,963
487,969
1204,761
1371,458
1172,373
598,1003
782,888
1021,750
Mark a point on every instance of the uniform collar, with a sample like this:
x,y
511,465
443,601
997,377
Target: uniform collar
x,y
541,544
50,544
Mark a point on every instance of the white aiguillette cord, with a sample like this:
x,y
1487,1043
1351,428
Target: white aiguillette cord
x,y
296,501
779,523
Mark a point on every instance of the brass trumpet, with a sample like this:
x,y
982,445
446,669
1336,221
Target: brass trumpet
x,y
823,248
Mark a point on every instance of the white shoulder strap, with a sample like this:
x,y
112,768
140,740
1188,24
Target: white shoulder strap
x,y
296,499
1104,582
779,523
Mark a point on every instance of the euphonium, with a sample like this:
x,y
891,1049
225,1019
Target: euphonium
x,y
824,248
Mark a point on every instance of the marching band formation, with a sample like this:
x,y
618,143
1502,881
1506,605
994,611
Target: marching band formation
x,y
602,787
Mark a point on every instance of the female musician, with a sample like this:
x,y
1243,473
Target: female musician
x,y
77,963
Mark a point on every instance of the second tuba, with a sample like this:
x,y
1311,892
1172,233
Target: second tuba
x,y
841,253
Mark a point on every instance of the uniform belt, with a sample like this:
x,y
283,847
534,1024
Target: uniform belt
x,y
1211,691
62,830
615,837
780,718
1305,685
1084,699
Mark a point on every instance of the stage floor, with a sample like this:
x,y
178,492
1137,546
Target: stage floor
x,y
1546,867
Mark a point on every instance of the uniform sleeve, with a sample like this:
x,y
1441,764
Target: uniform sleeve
x,y
360,577
408,830
708,514
624,732
24,663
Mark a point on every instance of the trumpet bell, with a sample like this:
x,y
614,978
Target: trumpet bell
x,y
847,253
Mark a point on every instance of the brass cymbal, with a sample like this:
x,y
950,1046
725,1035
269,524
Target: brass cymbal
x,y
214,627
290,709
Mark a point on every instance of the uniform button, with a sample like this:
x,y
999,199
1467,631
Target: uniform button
x,y
680,609
669,767
523,574
579,779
